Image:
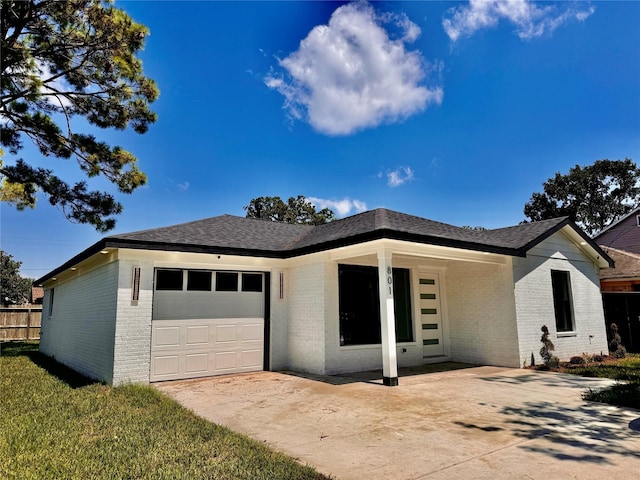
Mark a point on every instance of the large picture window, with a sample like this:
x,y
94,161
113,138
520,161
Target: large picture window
x,y
562,302
359,304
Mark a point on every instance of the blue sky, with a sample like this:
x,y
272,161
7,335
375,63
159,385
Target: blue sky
x,y
453,111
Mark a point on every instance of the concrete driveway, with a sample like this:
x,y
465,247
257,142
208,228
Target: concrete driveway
x,y
441,422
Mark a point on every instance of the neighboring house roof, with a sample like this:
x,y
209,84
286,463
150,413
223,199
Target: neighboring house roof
x,y
616,222
231,235
627,265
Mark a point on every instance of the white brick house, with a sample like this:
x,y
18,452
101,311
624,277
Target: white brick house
x,y
378,289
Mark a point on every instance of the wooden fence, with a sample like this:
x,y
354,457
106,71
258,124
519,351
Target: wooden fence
x,y
20,323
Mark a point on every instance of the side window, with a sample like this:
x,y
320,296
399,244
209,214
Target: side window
x,y
51,295
226,281
562,301
169,279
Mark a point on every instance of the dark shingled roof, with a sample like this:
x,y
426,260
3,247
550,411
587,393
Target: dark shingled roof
x,y
231,235
627,265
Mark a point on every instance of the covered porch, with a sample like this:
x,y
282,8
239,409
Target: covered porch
x,y
400,304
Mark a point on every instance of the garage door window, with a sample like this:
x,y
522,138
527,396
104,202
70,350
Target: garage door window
x,y
199,281
252,282
168,279
226,282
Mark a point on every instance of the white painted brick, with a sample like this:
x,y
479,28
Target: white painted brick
x,y
481,313
535,301
132,348
80,332
306,332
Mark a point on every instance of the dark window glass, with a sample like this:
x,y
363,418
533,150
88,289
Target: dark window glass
x,y
562,304
168,279
251,282
402,305
226,281
199,280
53,291
359,304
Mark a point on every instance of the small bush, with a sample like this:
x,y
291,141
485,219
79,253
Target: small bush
x,y
598,358
616,348
576,360
547,348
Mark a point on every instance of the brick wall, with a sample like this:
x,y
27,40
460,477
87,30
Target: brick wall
x,y
306,339
279,332
132,349
534,298
481,311
80,331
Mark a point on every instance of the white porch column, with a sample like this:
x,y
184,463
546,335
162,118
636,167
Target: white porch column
x,y
387,320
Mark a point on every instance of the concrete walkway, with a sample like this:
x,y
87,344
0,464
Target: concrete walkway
x,y
462,423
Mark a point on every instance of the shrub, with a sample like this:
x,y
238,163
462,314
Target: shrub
x,y
577,360
547,347
616,348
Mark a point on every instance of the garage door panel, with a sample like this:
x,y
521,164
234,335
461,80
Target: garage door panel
x,y
225,361
166,365
167,336
252,332
226,333
196,363
198,334
251,359
205,347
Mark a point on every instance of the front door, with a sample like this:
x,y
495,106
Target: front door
x,y
430,315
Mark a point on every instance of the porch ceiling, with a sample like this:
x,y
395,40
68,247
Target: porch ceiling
x,y
367,252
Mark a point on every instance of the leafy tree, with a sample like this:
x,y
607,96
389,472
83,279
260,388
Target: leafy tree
x,y
592,196
13,288
295,210
62,60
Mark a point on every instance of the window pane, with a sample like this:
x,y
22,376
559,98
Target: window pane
x,y
251,282
562,304
226,281
168,279
402,305
359,305
199,280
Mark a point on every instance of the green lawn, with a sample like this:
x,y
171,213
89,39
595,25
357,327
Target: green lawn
x,y
57,424
626,393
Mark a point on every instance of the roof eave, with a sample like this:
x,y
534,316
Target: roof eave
x,y
89,252
597,251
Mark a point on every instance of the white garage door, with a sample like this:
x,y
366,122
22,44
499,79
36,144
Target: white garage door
x,y
206,323
198,348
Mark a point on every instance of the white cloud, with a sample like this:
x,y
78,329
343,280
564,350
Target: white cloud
x,y
342,207
399,176
529,19
184,186
353,73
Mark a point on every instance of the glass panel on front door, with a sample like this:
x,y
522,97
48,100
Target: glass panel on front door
x,y
430,317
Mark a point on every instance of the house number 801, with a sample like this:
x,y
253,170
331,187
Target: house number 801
x,y
390,280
